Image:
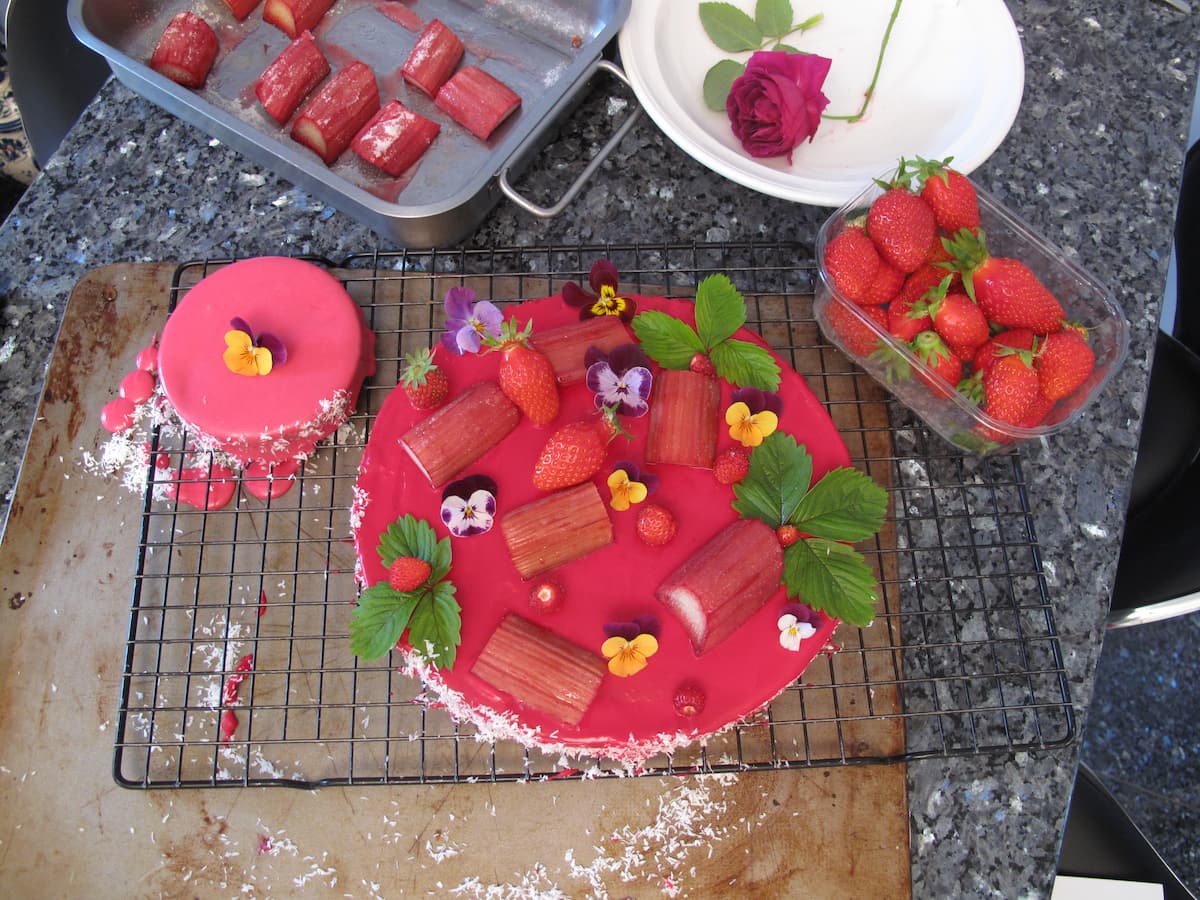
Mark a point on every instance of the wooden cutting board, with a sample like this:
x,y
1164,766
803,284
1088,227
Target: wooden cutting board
x,y
67,560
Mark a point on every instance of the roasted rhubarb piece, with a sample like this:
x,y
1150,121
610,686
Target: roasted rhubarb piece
x,y
395,138
291,77
476,101
294,16
241,8
329,122
567,345
684,419
724,582
461,432
433,58
557,529
540,669
186,51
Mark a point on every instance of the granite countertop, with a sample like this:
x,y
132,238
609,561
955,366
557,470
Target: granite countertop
x,y
1093,162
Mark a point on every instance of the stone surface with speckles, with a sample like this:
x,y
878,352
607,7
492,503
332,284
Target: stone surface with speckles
x,y
1093,162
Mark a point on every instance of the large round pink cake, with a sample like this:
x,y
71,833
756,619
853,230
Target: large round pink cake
x,y
282,415
629,718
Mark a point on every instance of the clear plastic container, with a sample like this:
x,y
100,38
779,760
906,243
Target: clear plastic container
x,y
951,414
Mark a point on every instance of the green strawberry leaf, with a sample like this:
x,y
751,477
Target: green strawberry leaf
x,y
666,340
745,365
779,477
831,577
720,310
773,17
379,620
434,631
410,536
845,505
730,28
718,81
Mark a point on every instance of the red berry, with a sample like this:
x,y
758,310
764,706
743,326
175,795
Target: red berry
x,y
689,699
424,383
1064,361
546,596
655,525
732,465
702,365
902,227
950,193
407,573
852,263
788,535
858,338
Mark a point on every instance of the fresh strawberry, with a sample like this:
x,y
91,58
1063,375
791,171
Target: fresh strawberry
x,y
526,375
852,262
788,535
884,287
1010,387
425,384
574,453
1063,363
1007,291
655,525
857,337
951,195
407,573
932,350
902,227
702,365
732,465
1037,412
1013,338
957,319
689,699
903,322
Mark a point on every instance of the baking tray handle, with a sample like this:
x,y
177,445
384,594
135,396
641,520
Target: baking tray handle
x,y
547,212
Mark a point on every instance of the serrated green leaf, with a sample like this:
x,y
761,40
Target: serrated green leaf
x,y
666,340
745,365
443,557
719,80
831,577
788,48
409,536
720,310
379,620
779,477
434,630
773,17
845,505
730,28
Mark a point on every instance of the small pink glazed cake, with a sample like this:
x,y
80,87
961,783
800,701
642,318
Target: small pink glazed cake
x,y
294,315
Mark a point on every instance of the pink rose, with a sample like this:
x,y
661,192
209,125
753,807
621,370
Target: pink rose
x,y
777,102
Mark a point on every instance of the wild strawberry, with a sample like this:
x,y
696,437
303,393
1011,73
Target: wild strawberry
x,y
573,454
424,383
857,338
932,350
788,535
655,525
902,228
702,365
526,376
1013,338
732,465
689,699
884,286
546,596
1063,363
951,195
1007,291
957,319
852,262
1010,388
407,573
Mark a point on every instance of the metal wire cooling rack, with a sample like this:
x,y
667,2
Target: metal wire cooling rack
x,y
964,658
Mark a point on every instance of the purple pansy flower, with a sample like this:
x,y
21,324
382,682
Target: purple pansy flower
x,y
266,340
649,479
469,505
605,301
621,379
467,322
758,400
630,630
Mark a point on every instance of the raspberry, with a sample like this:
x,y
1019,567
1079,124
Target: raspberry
x,y
702,365
788,535
546,596
732,465
655,525
689,699
407,573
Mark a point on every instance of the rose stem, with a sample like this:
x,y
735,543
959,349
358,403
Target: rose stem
x,y
870,92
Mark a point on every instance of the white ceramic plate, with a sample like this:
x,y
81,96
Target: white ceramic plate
x,y
951,85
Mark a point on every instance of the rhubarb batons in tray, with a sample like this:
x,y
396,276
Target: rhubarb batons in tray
x,y
395,138
461,431
477,101
291,77
329,122
433,58
186,51
684,419
295,16
241,8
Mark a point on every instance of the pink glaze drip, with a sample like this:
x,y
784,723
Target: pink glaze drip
x,y
117,414
262,480
137,386
199,488
147,358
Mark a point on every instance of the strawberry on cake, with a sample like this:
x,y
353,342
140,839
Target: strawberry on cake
x,y
637,523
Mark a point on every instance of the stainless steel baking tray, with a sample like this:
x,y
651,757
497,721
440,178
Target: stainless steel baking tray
x,y
546,50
